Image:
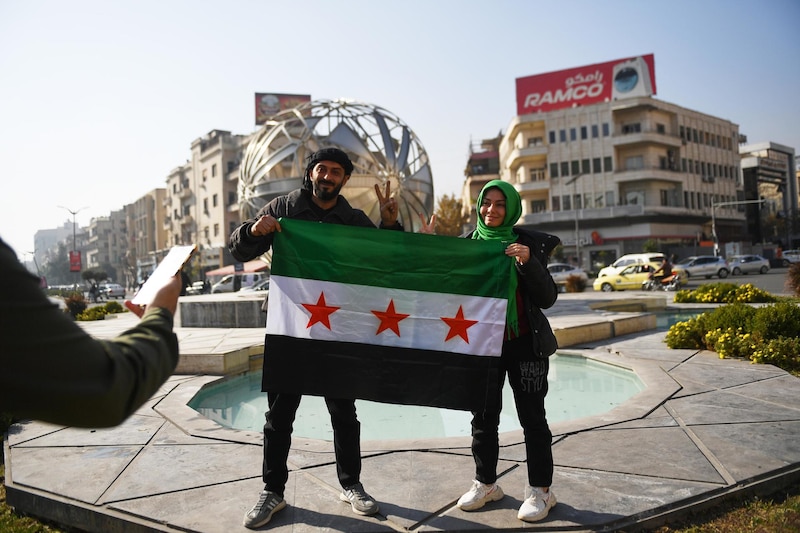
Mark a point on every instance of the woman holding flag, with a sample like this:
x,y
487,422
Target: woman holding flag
x,y
528,343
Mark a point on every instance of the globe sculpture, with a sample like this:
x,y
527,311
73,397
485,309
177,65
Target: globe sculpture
x,y
382,147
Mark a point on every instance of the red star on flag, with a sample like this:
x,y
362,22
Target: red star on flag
x,y
320,312
390,319
458,325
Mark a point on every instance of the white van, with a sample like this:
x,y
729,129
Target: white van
x,y
630,259
226,283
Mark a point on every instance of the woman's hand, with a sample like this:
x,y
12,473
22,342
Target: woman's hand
x,y
428,227
519,251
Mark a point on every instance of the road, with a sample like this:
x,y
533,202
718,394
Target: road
x,y
773,281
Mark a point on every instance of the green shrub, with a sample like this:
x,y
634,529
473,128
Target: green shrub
x,y
724,292
574,283
768,334
76,303
93,313
775,321
114,307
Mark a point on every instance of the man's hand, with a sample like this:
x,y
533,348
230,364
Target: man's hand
x,y
388,204
166,297
264,225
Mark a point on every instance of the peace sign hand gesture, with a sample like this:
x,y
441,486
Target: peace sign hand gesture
x,y
388,204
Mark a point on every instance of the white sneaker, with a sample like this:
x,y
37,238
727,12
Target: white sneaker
x,y
536,505
478,495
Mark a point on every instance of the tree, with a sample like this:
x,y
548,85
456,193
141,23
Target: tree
x,y
450,219
56,266
94,275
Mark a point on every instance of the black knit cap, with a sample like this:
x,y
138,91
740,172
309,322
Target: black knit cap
x,y
326,154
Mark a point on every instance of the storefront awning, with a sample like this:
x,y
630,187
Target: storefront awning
x,y
256,265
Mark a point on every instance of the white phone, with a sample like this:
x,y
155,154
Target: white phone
x,y
168,267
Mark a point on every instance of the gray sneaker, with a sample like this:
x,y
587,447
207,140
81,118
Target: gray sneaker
x,y
268,504
358,498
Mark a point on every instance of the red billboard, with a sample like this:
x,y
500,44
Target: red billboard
x,y
601,82
270,104
74,261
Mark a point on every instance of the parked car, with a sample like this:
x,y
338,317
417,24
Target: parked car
x,y
195,288
632,277
226,283
112,290
704,265
630,259
746,264
258,286
790,256
562,271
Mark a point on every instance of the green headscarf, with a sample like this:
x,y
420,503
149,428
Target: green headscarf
x,y
505,233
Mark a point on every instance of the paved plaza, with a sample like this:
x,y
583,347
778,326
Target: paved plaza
x,y
704,429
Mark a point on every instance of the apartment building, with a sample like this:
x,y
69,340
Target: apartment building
x,y
107,247
202,201
146,233
604,165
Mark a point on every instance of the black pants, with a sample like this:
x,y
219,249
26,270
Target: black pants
x,y
278,438
528,378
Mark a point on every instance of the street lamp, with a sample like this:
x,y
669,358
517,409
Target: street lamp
x,y
714,207
577,238
74,240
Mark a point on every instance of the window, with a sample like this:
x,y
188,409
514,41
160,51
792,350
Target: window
x,y
556,201
564,168
567,202
634,198
607,166
205,174
584,133
553,170
635,162
596,168
214,170
606,131
231,197
576,167
214,200
682,133
660,128
230,166
664,197
538,206
562,135
683,164
216,230
552,136
573,134
576,199
205,205
535,141
585,168
631,128
595,132
538,174
610,198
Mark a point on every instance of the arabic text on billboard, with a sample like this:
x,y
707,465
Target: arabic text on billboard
x,y
270,104
601,82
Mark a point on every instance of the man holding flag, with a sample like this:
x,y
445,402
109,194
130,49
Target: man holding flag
x,y
318,200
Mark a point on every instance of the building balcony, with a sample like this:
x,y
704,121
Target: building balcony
x,y
185,193
648,174
646,137
528,186
186,220
519,156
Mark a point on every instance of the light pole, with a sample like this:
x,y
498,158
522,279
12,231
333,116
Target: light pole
x,y
577,237
74,239
714,207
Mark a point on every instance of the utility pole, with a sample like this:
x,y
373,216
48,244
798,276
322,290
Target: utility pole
x,y
74,238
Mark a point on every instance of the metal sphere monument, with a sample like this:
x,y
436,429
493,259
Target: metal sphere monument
x,y
382,147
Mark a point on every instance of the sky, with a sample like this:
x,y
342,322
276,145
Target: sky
x,y
100,100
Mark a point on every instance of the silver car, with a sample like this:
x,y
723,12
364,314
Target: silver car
x,y
746,264
704,265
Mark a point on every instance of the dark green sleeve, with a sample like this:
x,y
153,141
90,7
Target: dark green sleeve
x,y
52,370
